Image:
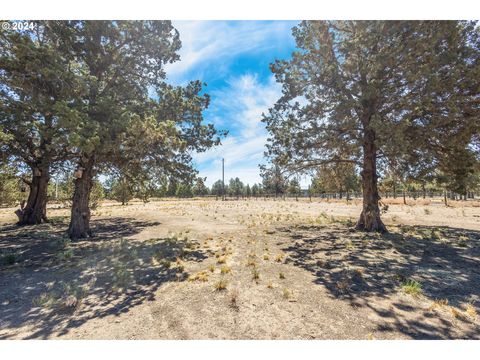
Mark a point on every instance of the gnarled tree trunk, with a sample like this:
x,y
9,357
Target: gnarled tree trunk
x,y
79,227
370,217
35,211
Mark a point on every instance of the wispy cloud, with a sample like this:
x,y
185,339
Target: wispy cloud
x,y
232,57
210,46
242,103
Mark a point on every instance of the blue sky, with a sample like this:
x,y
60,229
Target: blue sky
x,y
233,58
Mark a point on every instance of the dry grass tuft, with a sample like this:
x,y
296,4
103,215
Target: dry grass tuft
x,y
221,285
225,269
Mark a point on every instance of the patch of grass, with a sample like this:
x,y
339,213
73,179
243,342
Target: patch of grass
x,y
225,269
221,285
438,303
286,293
281,275
44,300
343,285
463,241
8,257
279,258
412,287
211,268
457,314
65,254
234,299
255,274
165,263
221,260
251,262
270,285
266,257
122,278
201,276
471,311
349,245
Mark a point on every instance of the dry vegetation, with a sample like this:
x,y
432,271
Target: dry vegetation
x,y
244,270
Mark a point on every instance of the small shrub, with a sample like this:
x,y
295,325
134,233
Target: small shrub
x,y
281,275
165,263
211,268
8,257
279,258
343,285
65,254
471,311
412,287
221,285
266,257
427,211
251,262
225,269
455,313
44,300
234,299
255,274
121,276
201,276
222,260
286,293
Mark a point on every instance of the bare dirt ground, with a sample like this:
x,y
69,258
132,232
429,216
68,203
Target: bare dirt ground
x,y
206,269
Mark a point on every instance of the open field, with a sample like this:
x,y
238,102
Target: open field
x,y
256,269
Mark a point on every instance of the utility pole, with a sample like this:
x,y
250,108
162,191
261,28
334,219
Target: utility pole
x,y
223,179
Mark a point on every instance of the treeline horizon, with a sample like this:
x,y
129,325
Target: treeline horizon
x,y
12,192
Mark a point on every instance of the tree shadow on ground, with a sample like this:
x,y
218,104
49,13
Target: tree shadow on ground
x,y
67,284
372,270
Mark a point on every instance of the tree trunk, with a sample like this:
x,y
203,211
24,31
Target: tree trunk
x,y
370,217
35,210
404,198
80,220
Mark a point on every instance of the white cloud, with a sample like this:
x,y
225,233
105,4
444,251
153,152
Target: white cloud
x,y
205,42
246,98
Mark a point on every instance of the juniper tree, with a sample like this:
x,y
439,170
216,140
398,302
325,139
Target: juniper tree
x,y
217,188
236,187
294,188
126,114
199,188
37,82
353,87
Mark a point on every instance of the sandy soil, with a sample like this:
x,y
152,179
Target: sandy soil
x,y
291,270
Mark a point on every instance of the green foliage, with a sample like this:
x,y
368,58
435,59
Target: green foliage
x,y
236,187
10,193
184,190
217,188
412,287
199,188
335,178
294,188
366,92
274,181
120,189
